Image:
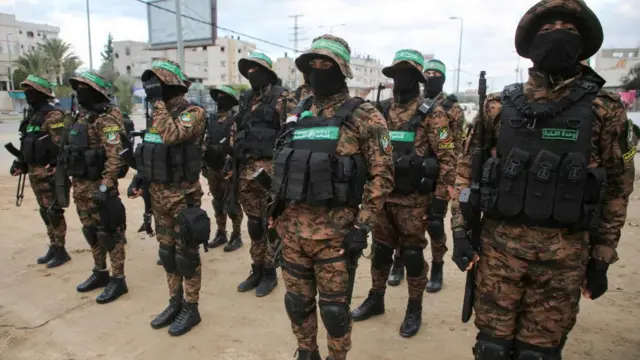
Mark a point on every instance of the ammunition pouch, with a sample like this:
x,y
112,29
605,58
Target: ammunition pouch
x,y
195,228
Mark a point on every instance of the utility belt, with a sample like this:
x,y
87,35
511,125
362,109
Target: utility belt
x,y
83,163
414,173
162,163
546,190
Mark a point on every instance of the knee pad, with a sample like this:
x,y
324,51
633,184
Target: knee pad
x,y
167,255
298,308
491,348
218,206
55,214
254,225
382,256
336,318
107,239
187,263
413,261
524,351
44,216
435,229
91,235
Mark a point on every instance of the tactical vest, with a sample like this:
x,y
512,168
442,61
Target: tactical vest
x,y
540,175
79,159
308,170
258,129
413,173
167,164
36,146
218,134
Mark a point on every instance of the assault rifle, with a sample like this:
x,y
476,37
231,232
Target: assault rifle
x,y
22,129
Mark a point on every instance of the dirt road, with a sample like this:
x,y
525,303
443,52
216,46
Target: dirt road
x,y
43,317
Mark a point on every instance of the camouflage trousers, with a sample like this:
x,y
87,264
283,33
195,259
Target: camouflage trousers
x,y
45,196
311,266
253,199
217,187
532,301
165,206
399,227
90,219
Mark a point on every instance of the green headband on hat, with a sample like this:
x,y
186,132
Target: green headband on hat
x,y
409,55
261,56
95,79
40,81
229,90
436,65
172,68
333,46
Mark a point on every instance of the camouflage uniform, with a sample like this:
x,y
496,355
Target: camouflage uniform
x,y
252,196
178,128
104,125
529,277
313,236
417,134
45,120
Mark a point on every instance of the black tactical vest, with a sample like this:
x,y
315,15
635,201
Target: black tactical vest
x,y
36,146
167,164
412,171
217,141
79,160
258,129
307,169
540,176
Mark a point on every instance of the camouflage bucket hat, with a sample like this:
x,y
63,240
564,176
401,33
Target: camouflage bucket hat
x,y
169,73
255,58
39,84
436,65
328,47
407,56
94,80
582,17
224,90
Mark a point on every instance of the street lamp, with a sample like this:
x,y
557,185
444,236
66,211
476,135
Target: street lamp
x,y
89,34
331,27
10,64
459,50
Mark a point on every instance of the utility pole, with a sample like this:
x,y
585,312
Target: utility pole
x,y
10,64
89,33
296,38
179,35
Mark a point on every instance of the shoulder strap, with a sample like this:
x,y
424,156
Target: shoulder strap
x,y
274,95
347,108
385,106
423,110
515,94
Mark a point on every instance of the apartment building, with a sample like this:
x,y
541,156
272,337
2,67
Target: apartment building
x,y
613,64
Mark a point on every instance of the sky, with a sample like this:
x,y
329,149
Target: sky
x,y
372,27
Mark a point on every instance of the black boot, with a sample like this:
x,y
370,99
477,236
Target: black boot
x,y
268,281
308,355
219,240
234,244
166,317
187,318
60,256
373,305
46,257
435,280
253,280
117,287
412,319
98,279
397,273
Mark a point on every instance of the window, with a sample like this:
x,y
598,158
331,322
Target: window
x,y
204,48
116,55
20,32
239,51
223,77
206,63
223,63
618,54
221,49
44,36
30,34
1,49
128,69
127,51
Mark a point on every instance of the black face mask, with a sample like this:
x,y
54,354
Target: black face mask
x,y
88,98
171,91
326,82
556,51
434,86
404,80
225,103
35,98
259,79
306,79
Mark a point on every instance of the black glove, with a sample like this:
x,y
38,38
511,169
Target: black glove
x,y
462,250
101,195
597,282
355,240
18,165
136,183
153,88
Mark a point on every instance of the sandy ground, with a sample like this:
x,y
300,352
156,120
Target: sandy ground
x,y
43,317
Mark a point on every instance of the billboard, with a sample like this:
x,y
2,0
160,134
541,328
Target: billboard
x,y
162,23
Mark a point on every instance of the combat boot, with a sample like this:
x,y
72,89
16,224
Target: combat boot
x,y
308,355
435,280
166,317
253,280
268,281
373,305
98,279
412,319
218,240
397,273
46,257
235,243
187,318
60,256
117,287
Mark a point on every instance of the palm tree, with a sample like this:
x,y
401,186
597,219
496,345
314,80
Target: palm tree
x,y
69,67
33,62
56,51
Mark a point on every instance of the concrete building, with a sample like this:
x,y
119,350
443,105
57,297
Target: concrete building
x,y
613,64
208,65
286,69
367,74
